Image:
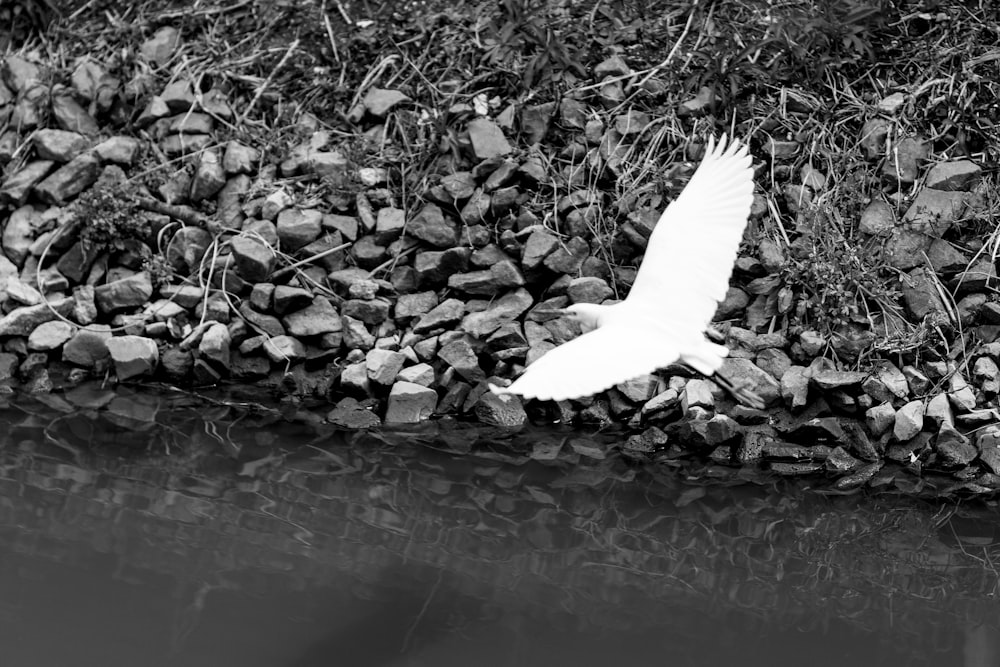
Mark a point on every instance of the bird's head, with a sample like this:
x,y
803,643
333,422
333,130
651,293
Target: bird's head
x,y
588,315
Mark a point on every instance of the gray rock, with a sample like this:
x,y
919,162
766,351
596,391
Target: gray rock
x,y
920,294
379,101
22,321
588,290
58,145
958,175
187,248
298,228
410,403
215,346
954,448
880,418
745,372
639,389
118,149
938,410
459,355
160,48
18,186
69,115
877,219
356,335
267,324
487,139
284,298
433,267
19,232
946,258
506,411
540,244
442,316
133,356
354,378
253,259
383,366
903,166
346,225
697,394
411,306
961,395
933,212
321,317
422,374
284,349
129,292
909,421
829,380
794,387
240,159
500,276
886,382
84,309
70,179
373,311
918,383
988,446
504,310
19,73
209,176
50,335
389,224
569,258
88,346
351,414
430,226
987,375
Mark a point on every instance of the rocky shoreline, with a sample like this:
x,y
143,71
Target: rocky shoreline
x,y
144,241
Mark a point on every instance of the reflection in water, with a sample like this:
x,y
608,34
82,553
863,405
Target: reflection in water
x,y
142,529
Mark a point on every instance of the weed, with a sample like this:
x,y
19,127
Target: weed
x,y
838,281
824,35
110,214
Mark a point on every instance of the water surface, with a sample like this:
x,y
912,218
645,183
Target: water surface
x,y
146,529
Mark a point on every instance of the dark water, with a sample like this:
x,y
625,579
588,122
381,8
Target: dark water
x,y
165,530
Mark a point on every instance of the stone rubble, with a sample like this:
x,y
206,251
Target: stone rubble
x,y
398,314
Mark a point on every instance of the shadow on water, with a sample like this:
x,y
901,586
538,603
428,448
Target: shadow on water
x,y
165,530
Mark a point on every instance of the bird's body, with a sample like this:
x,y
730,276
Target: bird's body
x,y
683,276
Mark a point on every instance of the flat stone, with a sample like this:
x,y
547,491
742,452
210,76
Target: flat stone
x,y
350,414
119,149
379,101
411,306
87,346
505,309
261,322
957,175
933,212
22,321
129,292
209,176
161,47
878,219
133,356
410,403
18,186
442,316
58,145
284,349
487,139
389,224
830,380
321,317
50,335
431,227
70,179
988,446
954,448
298,228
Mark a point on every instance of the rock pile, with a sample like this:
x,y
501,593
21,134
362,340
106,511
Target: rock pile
x,y
117,261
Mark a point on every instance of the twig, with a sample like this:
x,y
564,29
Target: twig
x,y
267,82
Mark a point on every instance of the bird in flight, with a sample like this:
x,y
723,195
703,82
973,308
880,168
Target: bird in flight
x,y
683,276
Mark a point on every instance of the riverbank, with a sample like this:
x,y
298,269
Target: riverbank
x,y
372,217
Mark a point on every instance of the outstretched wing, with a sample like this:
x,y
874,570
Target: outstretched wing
x,y
593,362
690,254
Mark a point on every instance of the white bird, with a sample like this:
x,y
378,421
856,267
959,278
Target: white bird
x,y
683,276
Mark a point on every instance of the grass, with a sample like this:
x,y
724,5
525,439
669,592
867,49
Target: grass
x,y
790,70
